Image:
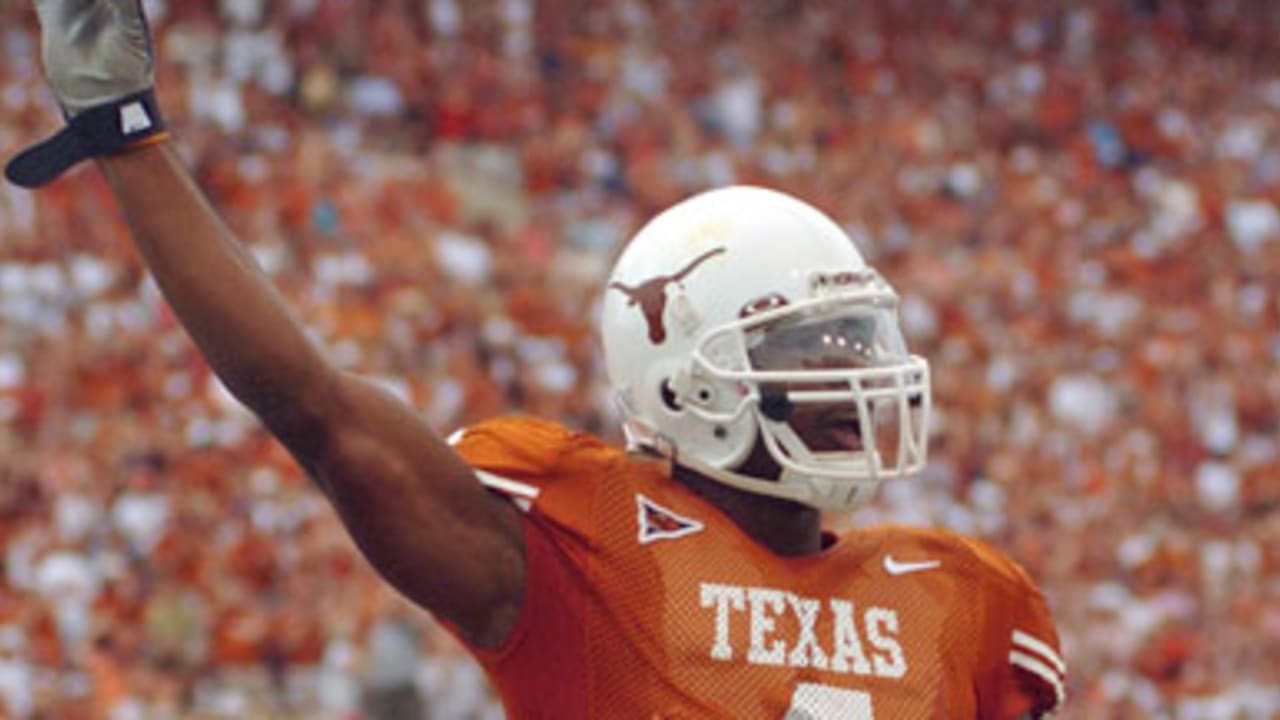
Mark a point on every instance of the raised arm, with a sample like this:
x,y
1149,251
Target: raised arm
x,y
412,505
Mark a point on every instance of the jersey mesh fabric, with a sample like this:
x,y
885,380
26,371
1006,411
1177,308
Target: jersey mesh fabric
x,y
675,613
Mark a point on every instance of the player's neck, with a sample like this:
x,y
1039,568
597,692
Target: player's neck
x,y
784,527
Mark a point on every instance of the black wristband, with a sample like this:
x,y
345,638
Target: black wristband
x,y
100,130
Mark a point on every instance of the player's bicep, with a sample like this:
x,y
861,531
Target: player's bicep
x,y
419,514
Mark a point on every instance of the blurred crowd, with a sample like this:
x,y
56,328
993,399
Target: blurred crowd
x,y
1077,200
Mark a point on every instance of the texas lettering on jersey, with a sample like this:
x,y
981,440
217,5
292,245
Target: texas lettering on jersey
x,y
877,627
644,601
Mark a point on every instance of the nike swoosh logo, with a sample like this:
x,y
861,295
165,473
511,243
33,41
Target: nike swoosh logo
x,y
894,567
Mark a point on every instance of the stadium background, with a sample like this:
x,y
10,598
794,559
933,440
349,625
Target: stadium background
x,y
1078,200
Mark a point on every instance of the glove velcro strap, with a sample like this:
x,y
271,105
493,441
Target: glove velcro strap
x,y
109,128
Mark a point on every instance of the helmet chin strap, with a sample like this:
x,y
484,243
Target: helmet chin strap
x,y
829,494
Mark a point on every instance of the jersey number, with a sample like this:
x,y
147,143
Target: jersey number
x,y
812,701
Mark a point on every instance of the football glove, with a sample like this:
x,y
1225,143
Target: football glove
x,y
100,65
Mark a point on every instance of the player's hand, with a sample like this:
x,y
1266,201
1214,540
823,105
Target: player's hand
x,y
95,51
100,65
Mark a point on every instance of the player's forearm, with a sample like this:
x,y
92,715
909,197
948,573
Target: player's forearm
x,y
228,306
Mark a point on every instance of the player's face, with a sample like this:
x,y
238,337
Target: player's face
x,y
829,429
824,409
840,426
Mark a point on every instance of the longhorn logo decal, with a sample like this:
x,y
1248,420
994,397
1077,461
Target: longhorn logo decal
x,y
651,295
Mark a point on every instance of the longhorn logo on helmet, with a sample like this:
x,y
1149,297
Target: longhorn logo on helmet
x,y
651,295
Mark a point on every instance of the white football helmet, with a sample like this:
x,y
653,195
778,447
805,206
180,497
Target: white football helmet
x,y
738,312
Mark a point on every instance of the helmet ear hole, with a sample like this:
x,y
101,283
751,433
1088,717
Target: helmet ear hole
x,y
669,397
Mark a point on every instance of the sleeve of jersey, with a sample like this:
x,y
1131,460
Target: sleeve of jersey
x,y
1028,675
511,456
1038,671
544,468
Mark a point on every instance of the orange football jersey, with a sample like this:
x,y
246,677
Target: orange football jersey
x,y
644,601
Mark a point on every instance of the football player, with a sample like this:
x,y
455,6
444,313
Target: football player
x,y
763,378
